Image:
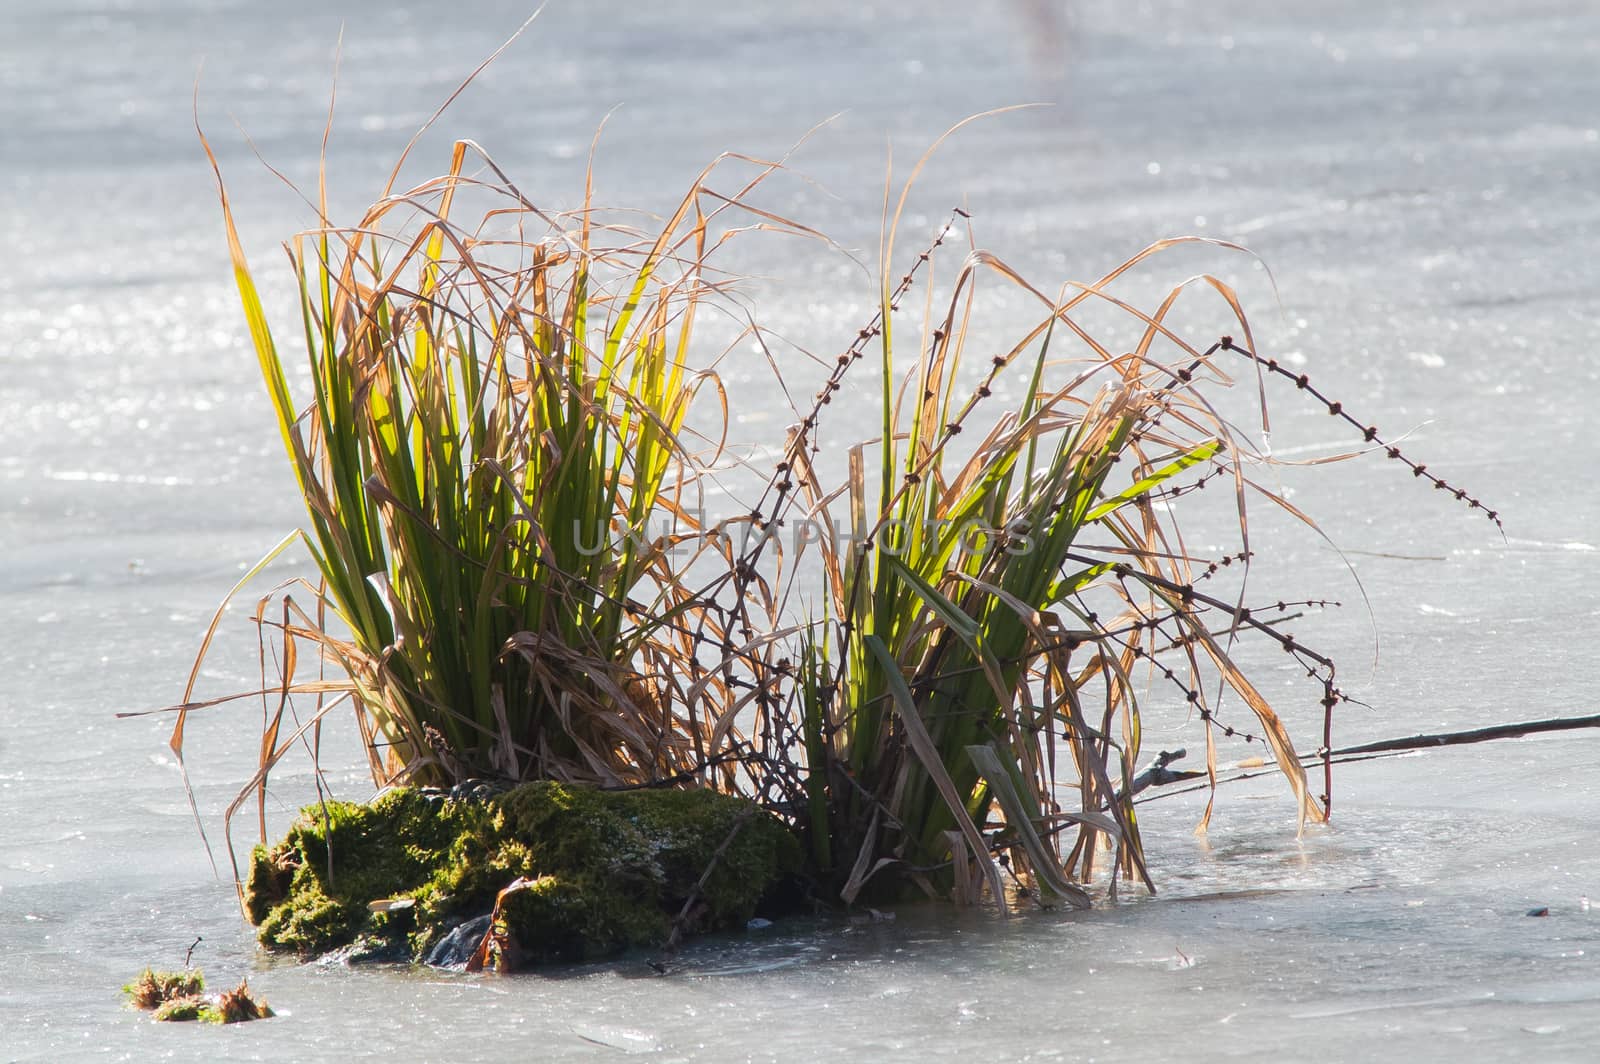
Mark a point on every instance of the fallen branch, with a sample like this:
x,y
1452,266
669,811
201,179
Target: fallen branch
x,y
1476,735
1160,775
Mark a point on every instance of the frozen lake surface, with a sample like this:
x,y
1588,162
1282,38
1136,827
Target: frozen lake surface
x,y
1424,184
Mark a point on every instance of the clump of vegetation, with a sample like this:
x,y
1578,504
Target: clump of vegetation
x,y
605,870
480,410
497,429
181,996
152,989
237,1006
994,602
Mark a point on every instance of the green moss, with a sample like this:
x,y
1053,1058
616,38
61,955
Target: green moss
x,y
612,869
179,1009
267,882
566,918
309,921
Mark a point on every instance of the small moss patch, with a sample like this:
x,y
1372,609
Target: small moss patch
x,y
153,989
612,869
183,1009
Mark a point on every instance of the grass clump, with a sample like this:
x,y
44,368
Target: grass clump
x,y
497,424
970,623
492,425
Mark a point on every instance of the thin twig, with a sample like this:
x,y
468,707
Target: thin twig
x,y
682,919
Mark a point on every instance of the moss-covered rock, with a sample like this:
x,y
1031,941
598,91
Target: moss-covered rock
x,y
611,869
